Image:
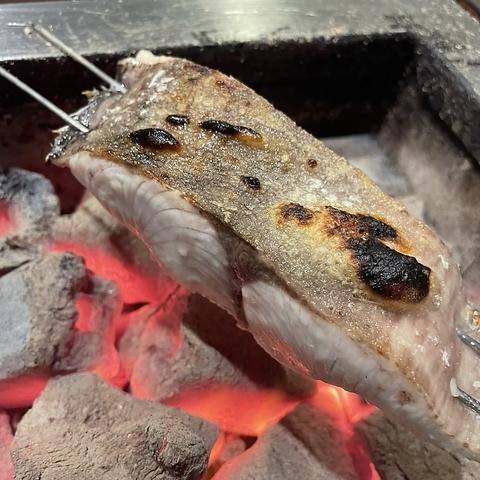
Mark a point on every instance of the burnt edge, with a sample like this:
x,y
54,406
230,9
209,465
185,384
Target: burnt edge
x,y
154,138
363,225
225,128
177,120
251,182
389,273
297,212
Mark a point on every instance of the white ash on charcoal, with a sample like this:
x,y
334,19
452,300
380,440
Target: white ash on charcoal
x,y
190,343
38,320
82,428
30,208
112,251
437,171
37,311
307,443
399,455
6,437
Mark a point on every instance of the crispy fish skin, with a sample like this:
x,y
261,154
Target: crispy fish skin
x,y
331,275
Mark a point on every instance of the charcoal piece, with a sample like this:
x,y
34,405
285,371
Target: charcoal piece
x,y
110,250
37,311
82,428
307,443
32,208
228,447
131,340
233,446
38,314
6,437
171,358
399,455
92,346
167,357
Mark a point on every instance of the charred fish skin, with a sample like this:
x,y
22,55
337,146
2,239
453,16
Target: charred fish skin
x,y
349,268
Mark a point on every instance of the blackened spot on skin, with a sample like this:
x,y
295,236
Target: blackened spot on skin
x,y
361,225
179,120
295,211
219,126
154,138
312,163
389,273
251,182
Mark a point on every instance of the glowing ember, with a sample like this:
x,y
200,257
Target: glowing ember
x,y
7,224
22,391
215,454
6,437
108,366
227,447
235,410
135,286
348,409
238,411
85,310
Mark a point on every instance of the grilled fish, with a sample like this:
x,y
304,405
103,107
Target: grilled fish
x,y
332,277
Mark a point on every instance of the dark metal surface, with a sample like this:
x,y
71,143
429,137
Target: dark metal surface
x,y
445,36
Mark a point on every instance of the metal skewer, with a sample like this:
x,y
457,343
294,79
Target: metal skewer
x,y
457,392
44,101
468,400
56,42
468,340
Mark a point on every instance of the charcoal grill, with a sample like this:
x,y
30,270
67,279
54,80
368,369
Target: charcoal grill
x,y
407,75
392,85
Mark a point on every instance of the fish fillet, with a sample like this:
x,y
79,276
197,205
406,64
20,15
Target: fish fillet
x,y
237,203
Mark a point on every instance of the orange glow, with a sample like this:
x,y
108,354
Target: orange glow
x,y
85,311
108,366
135,286
216,450
344,405
22,391
348,408
7,225
234,409
110,369
6,438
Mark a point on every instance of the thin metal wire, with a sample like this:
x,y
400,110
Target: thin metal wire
x,y
468,400
459,393
44,101
56,42
468,340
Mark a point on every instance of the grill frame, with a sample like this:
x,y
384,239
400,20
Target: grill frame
x,y
442,38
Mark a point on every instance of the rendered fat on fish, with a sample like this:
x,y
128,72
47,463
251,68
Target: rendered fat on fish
x,y
331,276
